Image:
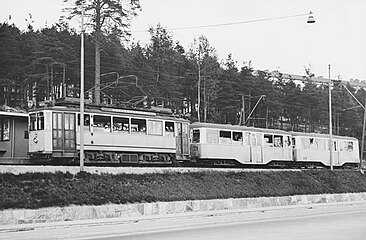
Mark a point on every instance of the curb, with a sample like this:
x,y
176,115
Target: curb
x,y
58,217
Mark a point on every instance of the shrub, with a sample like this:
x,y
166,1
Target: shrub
x,y
37,190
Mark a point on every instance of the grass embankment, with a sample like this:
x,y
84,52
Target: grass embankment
x,y
37,190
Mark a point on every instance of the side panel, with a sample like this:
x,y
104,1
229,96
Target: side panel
x,y
21,138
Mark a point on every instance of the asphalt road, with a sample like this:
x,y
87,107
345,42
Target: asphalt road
x,y
325,222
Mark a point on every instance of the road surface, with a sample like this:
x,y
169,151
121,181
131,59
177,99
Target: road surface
x,y
321,222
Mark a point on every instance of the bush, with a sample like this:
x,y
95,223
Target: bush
x,y
37,190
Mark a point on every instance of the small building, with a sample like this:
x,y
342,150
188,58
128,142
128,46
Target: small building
x,y
13,137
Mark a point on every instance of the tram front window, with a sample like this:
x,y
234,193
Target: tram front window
x,y
196,136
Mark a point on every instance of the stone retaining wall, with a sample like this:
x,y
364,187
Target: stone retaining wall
x,y
71,213
18,169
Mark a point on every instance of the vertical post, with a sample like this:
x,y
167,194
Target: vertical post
x,y
199,84
243,108
267,112
330,124
64,82
82,93
362,154
52,90
204,100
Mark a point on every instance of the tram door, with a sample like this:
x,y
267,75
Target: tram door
x,y
63,131
336,153
256,148
182,141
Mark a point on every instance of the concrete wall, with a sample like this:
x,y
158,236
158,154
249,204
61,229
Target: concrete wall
x,y
166,209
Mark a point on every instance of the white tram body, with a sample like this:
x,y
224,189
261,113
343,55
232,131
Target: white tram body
x,y
314,148
228,144
110,135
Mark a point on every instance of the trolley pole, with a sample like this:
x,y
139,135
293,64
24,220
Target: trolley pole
x,y
82,93
330,124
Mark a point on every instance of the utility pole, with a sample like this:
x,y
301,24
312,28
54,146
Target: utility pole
x,y
330,123
199,83
52,90
82,93
204,100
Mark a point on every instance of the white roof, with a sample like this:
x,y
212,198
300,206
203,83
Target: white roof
x,y
14,114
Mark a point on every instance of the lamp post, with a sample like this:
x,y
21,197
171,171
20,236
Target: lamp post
x,y
311,20
330,124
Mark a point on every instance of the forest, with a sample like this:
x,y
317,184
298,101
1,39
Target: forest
x,y
44,64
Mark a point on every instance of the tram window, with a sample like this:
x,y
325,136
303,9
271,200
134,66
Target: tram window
x,y
155,128
40,121
86,120
278,141
36,121
102,123
238,137
225,134
315,144
349,146
212,136
138,125
185,128
32,122
287,141
69,121
305,143
246,138
26,134
169,129
196,136
268,139
225,137
322,145
254,140
334,145
4,129
259,139
121,124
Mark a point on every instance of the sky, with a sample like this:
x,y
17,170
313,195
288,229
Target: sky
x,y
268,33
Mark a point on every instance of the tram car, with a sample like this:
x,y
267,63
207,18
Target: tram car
x,y
111,135
313,149
217,144
13,137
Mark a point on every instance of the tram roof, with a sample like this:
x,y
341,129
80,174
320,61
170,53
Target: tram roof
x,y
321,135
237,128
13,114
106,110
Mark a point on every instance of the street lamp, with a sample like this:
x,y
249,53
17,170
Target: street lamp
x,y
310,21
311,18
